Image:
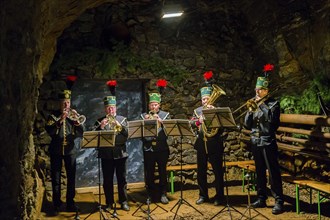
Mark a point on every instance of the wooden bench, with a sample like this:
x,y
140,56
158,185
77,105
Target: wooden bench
x,y
322,188
173,169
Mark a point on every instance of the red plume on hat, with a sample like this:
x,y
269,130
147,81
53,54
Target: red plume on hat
x,y
208,77
161,84
112,86
268,68
70,80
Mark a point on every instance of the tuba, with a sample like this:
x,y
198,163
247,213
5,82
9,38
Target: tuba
x,y
216,93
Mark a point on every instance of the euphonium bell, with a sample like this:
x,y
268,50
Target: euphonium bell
x,y
216,93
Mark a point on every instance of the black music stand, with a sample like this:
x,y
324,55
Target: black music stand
x,y
97,140
249,207
141,129
221,118
179,128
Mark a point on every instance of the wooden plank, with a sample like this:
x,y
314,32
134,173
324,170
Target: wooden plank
x,y
322,186
304,131
194,166
95,189
305,119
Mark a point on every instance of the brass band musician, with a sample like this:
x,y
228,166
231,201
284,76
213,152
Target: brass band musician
x,y
113,159
156,149
263,123
66,132
208,149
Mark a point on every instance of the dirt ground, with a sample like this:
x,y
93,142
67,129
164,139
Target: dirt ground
x,y
182,206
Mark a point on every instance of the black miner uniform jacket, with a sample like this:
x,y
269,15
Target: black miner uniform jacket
x,y
73,135
264,123
119,150
158,143
212,142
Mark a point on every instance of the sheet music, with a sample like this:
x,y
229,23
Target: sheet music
x,y
178,127
107,139
219,117
95,139
142,128
150,128
90,139
135,129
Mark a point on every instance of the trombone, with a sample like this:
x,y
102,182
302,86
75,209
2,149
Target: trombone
x,y
252,105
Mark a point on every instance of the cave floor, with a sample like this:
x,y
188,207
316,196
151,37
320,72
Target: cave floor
x,y
87,200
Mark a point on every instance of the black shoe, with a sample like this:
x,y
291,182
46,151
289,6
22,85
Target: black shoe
x,y
164,199
259,204
125,206
201,200
278,209
108,207
72,208
55,211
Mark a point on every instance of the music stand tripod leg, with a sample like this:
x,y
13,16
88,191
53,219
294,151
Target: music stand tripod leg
x,y
140,208
249,206
99,206
113,214
148,202
227,206
182,200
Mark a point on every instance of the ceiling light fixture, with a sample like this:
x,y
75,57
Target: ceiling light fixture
x,y
171,10
171,15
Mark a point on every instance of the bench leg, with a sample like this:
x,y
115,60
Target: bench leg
x,y
318,204
172,181
297,200
243,180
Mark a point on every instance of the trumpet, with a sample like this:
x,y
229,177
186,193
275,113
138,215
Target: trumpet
x,y
112,122
75,116
151,115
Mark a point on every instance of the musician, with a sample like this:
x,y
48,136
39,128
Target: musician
x,y
113,159
263,124
66,134
156,149
208,149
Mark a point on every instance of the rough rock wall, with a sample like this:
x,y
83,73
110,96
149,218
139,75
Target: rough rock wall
x,y
28,40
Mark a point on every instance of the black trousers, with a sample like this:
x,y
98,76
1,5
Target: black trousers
x,y
216,160
70,167
267,158
150,160
109,167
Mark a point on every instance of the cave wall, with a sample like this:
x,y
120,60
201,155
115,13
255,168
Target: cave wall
x,y
294,35
28,40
